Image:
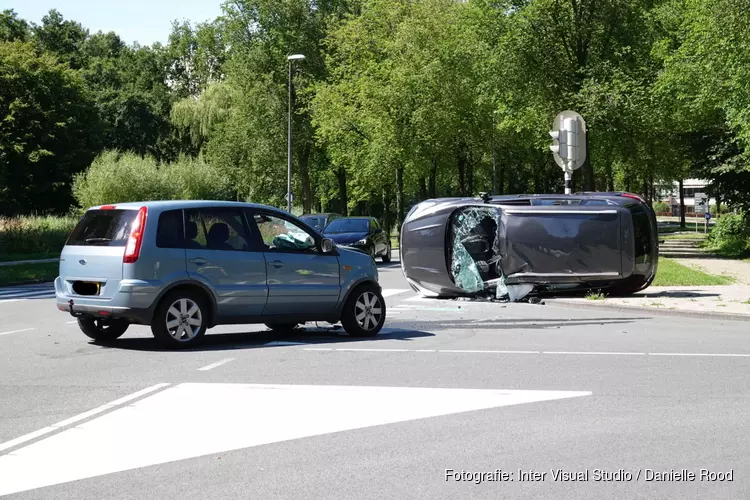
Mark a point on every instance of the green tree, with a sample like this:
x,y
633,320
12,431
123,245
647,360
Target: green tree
x,y
48,132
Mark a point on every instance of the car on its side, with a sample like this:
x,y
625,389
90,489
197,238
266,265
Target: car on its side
x,y
185,266
319,221
364,234
514,245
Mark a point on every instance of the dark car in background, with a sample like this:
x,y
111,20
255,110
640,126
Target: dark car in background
x,y
518,245
319,221
360,233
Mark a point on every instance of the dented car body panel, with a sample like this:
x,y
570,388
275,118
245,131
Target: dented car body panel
x,y
511,246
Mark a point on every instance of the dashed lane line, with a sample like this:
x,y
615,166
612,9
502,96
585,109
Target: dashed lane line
x,y
214,365
16,331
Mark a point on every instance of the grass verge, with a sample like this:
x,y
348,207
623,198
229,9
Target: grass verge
x,y
685,236
34,235
10,257
28,273
670,273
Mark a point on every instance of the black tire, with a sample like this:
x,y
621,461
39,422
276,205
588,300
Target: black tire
x,y
282,327
387,254
103,330
189,307
356,305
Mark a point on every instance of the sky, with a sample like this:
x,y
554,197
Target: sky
x,y
144,21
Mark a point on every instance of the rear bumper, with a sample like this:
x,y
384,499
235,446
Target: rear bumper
x,y
137,316
133,300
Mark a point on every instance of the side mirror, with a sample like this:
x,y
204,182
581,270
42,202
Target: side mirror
x,y
326,245
378,231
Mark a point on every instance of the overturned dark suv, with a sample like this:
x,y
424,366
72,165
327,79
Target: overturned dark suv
x,y
514,246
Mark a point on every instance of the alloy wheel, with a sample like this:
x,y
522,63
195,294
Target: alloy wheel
x,y
184,320
368,311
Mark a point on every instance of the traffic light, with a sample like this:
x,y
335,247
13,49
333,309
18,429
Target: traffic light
x,y
559,143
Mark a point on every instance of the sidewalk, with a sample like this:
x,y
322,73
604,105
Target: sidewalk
x,y
731,299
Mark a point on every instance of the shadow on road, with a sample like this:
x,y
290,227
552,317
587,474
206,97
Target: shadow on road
x,y
515,324
267,339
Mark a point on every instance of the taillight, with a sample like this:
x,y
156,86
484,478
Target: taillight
x,y
133,248
107,207
633,196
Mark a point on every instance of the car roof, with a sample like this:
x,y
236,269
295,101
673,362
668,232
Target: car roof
x,y
180,204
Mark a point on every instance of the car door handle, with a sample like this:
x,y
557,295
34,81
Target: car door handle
x,y
198,261
277,264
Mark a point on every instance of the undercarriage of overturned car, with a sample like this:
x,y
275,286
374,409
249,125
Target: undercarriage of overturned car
x,y
521,247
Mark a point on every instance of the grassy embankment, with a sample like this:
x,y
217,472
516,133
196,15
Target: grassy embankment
x,y
31,238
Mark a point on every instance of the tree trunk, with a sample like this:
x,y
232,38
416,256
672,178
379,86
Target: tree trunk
x,y
470,178
461,173
610,178
501,180
343,200
422,189
304,173
682,205
400,195
587,169
431,191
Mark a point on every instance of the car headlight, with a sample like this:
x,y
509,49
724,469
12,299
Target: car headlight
x,y
363,241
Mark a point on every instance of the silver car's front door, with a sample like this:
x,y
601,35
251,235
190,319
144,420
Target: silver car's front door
x,y
301,279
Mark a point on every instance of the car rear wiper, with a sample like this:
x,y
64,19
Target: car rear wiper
x,y
98,240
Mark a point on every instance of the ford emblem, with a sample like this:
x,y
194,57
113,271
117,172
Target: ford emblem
x,y
82,262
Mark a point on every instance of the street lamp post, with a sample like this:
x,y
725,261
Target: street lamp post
x,y
294,57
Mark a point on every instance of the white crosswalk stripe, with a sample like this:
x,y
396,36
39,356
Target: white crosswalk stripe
x,y
41,291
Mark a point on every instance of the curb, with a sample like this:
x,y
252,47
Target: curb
x,y
21,262
29,282
651,310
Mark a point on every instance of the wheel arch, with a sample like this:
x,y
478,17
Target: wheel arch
x,y
352,288
191,286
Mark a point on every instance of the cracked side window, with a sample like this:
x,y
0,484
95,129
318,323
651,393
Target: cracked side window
x,y
475,255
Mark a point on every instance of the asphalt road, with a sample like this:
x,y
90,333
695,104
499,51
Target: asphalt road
x,y
502,389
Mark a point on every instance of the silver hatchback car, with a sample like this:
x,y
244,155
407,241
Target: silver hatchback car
x,y
185,266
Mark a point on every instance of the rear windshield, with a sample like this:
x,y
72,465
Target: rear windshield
x,y
339,226
314,221
103,228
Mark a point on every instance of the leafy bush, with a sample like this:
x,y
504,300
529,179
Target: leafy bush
x,y
116,177
731,235
34,235
661,207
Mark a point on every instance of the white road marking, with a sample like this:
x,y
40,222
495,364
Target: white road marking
x,y
603,353
16,331
148,432
729,355
214,365
388,292
488,352
491,351
46,430
374,350
71,322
